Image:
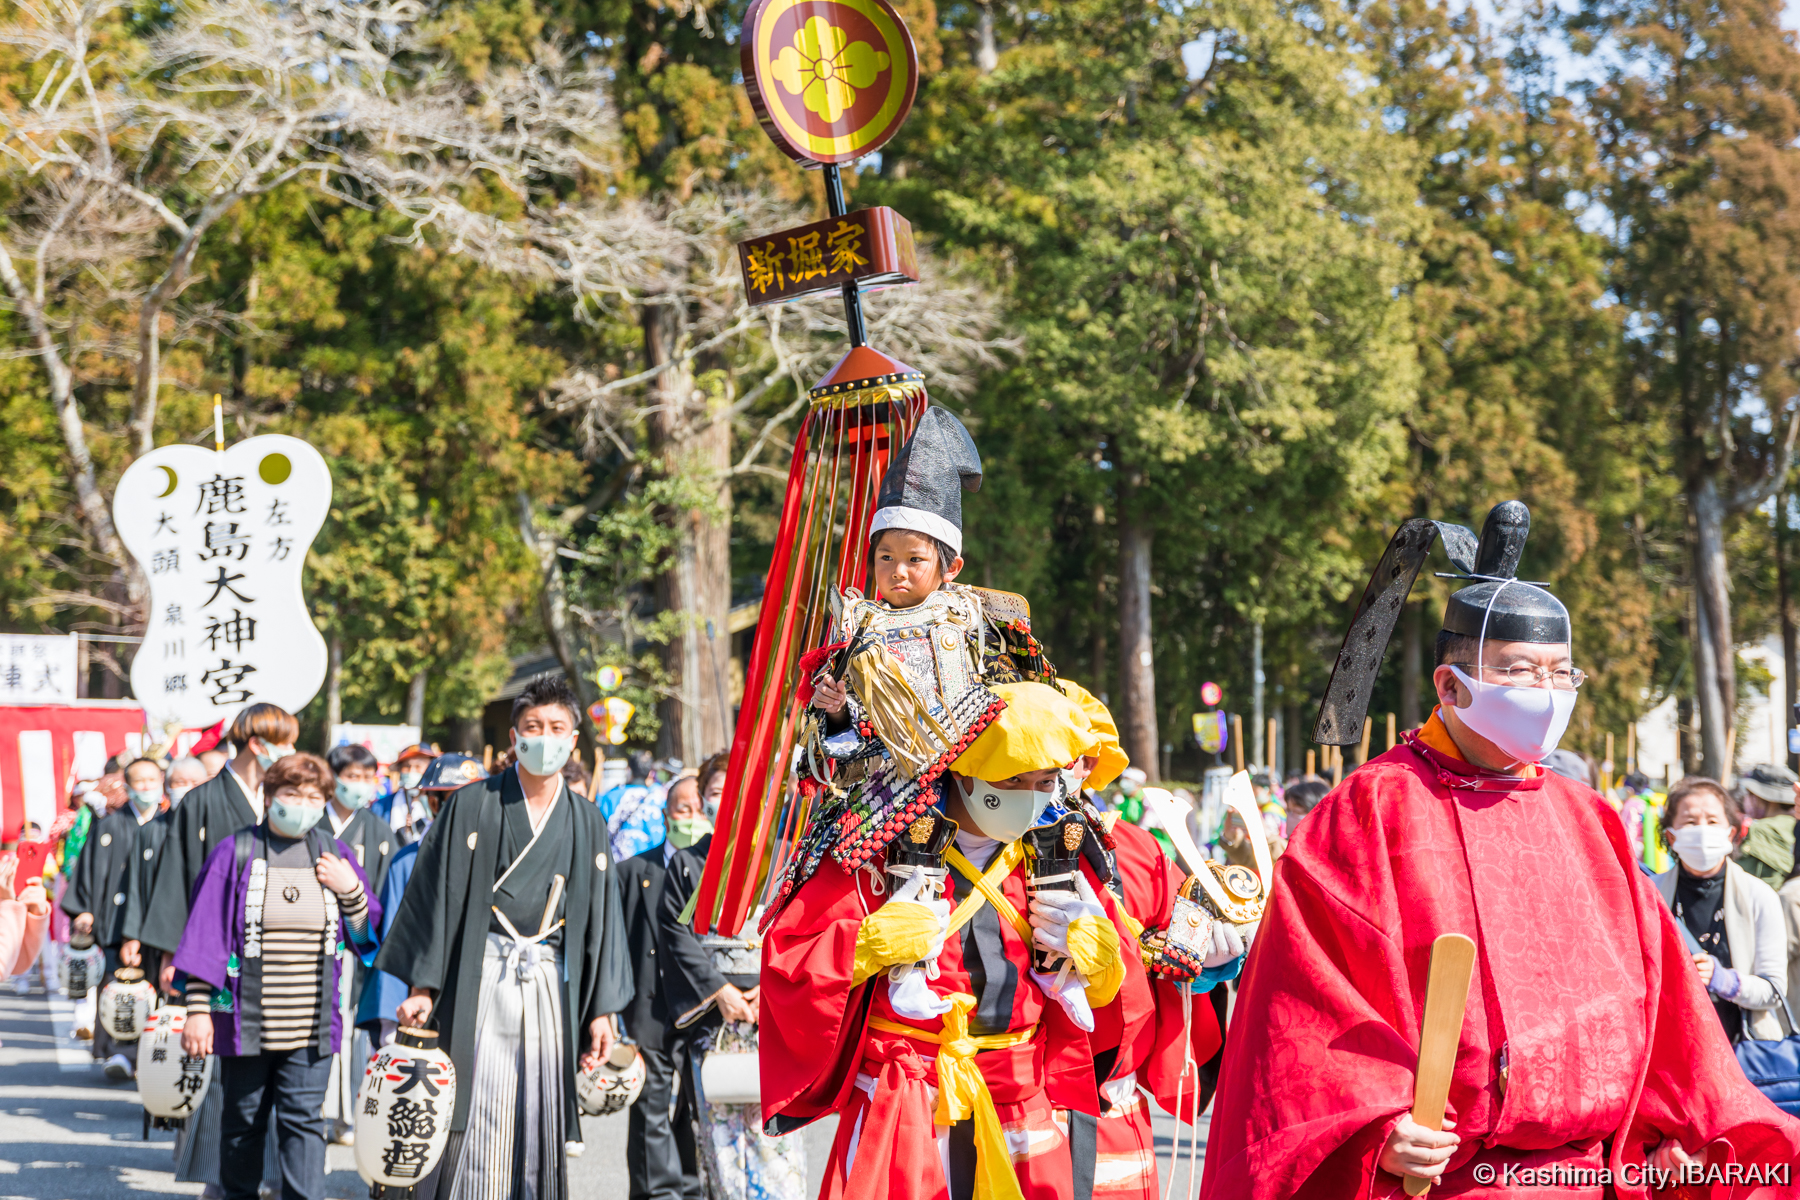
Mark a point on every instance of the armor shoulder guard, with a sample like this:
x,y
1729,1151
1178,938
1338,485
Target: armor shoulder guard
x,y
1003,607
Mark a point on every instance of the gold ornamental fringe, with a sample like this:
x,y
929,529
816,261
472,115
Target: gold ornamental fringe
x,y
900,719
897,389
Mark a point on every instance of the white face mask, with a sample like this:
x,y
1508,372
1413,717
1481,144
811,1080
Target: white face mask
x,y
543,754
1526,723
410,779
354,795
291,819
1004,814
143,801
270,755
1702,847
176,793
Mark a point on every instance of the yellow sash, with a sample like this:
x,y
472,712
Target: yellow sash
x,y
963,1093
987,888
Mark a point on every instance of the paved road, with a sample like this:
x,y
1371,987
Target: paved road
x,y
68,1134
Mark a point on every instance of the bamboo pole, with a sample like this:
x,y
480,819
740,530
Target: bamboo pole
x,y
1362,751
1269,747
1631,748
1337,765
1393,736
1310,762
1237,740
1606,768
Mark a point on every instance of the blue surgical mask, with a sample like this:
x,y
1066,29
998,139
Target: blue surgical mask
x,y
354,795
410,779
144,801
290,819
544,754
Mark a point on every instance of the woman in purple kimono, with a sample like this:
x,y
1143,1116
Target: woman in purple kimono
x,y
275,909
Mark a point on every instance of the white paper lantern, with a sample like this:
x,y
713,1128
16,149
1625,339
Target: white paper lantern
x,y
403,1111
170,1083
126,1004
79,971
614,1085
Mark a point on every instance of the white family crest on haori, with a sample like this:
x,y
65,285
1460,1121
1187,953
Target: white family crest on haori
x,y
222,538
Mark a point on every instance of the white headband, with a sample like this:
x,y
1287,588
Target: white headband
x,y
918,520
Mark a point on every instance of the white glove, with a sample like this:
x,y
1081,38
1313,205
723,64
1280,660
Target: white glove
x,y
911,996
1227,944
908,893
1071,996
1051,913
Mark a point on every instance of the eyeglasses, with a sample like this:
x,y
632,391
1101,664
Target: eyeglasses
x,y
1563,679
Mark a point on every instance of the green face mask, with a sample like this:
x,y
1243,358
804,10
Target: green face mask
x,y
685,831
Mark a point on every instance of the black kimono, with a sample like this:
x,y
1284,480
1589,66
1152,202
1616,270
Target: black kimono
x,y
689,977
205,818
98,884
438,936
146,846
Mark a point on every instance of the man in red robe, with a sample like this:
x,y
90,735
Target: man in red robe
x,y
1589,1055
959,1103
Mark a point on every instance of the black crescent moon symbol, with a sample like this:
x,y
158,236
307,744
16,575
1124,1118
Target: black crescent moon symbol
x,y
170,490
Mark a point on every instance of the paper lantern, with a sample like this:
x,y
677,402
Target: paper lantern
x,y
614,1085
170,1082
79,971
403,1112
126,1004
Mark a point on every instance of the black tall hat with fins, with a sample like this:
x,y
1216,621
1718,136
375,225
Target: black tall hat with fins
x,y
922,490
1497,605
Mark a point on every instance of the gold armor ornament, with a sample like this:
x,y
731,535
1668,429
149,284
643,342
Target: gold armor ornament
x,y
1223,892
919,672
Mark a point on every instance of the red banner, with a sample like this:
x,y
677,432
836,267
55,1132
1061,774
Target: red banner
x,y
38,755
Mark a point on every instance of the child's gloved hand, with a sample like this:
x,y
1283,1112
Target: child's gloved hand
x,y
830,696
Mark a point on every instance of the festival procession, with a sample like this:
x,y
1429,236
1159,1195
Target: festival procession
x,y
868,598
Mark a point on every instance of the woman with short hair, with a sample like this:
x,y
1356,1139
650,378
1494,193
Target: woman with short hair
x,y
1734,916
276,907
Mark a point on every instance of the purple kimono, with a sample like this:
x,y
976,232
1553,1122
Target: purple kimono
x,y
213,944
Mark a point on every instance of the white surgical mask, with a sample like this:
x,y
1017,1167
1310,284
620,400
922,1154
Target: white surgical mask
x,y
543,754
410,779
1702,846
143,801
354,795
1004,814
289,819
176,793
270,755
1525,723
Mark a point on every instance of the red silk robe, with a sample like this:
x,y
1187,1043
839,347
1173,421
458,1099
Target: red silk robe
x,y
816,1041
1587,1039
1149,1054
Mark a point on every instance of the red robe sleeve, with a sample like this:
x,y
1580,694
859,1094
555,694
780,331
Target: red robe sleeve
x,y
813,1020
1169,1023
1579,991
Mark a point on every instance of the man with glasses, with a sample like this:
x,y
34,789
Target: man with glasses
x,y
1587,1049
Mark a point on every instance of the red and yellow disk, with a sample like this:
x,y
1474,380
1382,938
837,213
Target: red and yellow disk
x,y
831,80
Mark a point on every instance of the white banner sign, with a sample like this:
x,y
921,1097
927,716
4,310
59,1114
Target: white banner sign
x,y
222,539
37,669
385,742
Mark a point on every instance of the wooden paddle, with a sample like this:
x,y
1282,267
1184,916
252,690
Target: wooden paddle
x,y
1446,995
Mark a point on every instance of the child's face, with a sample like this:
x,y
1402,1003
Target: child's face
x,y
907,568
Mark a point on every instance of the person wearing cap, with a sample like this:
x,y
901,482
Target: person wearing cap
x,y
403,808
1586,1045
1001,1046
1767,851
379,1001
509,937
